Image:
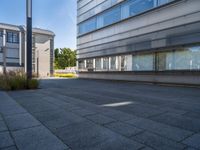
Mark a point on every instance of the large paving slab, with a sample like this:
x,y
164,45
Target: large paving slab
x,y
193,141
165,130
3,126
157,142
5,140
187,123
123,128
37,138
19,130
89,136
102,115
21,121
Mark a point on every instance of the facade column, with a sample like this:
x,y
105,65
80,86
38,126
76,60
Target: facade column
x,y
20,48
101,63
4,51
94,64
109,63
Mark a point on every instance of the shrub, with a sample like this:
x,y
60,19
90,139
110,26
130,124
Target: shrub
x,y
3,84
17,81
33,84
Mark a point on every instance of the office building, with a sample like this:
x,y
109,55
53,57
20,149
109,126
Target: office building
x,y
139,40
15,43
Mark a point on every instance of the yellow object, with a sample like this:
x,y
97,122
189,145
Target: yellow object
x,y
65,75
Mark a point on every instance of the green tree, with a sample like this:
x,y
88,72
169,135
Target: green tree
x,y
56,52
64,57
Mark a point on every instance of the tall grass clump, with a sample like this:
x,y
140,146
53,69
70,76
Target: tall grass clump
x,y
17,81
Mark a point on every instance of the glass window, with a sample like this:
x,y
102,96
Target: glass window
x,y
87,26
33,68
124,10
33,41
185,59
98,64
9,37
109,17
12,37
33,55
126,63
143,62
140,6
162,2
105,63
89,63
123,63
81,65
165,61
1,33
15,38
114,63
99,8
194,57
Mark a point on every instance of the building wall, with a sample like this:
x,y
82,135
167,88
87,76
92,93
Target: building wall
x,y
43,49
12,49
160,24
163,77
89,8
163,41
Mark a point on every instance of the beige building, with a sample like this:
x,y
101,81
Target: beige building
x,y
14,39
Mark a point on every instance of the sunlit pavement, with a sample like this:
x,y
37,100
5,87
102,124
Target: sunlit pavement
x,y
100,115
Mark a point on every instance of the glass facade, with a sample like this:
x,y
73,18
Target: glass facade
x,y
98,64
81,65
88,26
122,11
109,17
143,62
123,63
89,64
105,63
187,58
161,2
99,8
114,63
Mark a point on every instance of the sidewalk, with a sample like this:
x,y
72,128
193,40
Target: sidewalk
x,y
20,130
100,115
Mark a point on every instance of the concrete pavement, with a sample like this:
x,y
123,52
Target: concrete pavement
x,y
100,115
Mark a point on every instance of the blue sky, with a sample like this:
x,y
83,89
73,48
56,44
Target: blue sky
x,y
56,15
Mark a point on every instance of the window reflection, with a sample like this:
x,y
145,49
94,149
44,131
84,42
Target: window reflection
x,y
186,58
88,26
180,59
143,62
98,64
105,63
89,64
114,63
124,10
126,63
140,6
81,65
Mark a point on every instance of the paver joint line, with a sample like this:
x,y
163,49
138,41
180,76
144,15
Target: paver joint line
x,y
91,120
